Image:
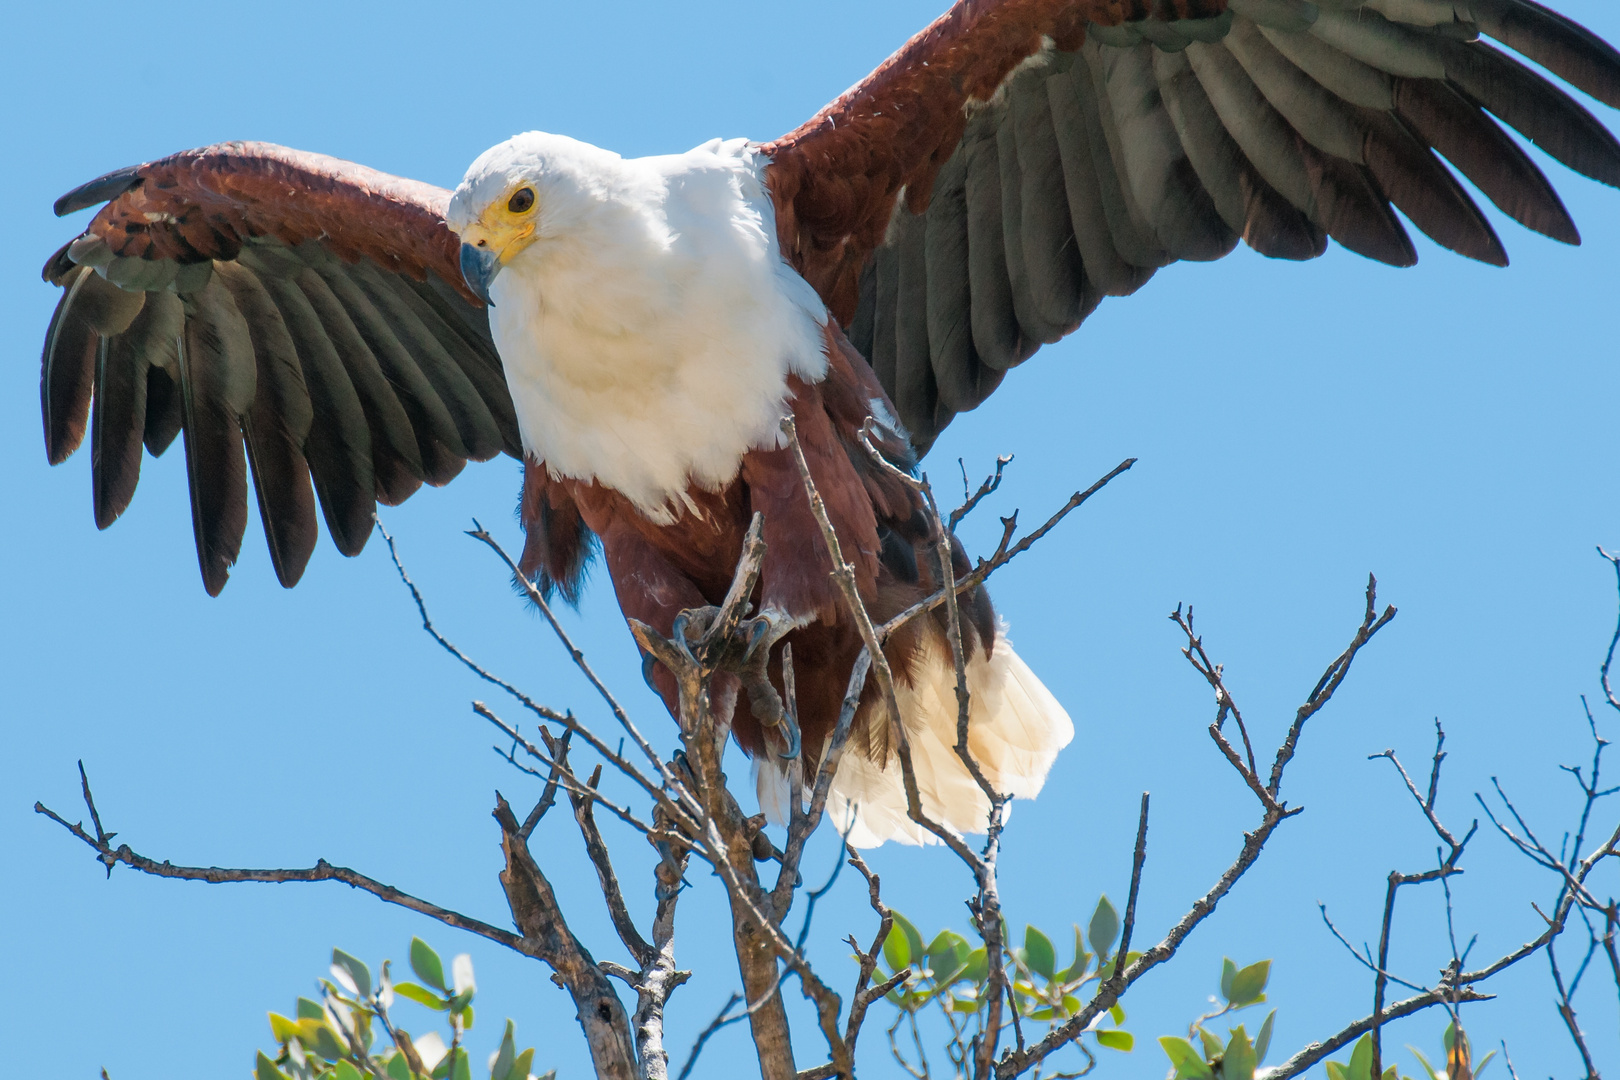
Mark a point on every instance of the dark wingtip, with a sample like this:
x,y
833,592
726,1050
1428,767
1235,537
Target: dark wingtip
x,y
58,266
101,189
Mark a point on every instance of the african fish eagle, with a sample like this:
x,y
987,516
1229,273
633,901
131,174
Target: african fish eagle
x,y
635,329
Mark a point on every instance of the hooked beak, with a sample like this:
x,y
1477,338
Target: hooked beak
x,y
479,265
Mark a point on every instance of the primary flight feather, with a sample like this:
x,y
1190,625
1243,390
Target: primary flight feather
x,y
634,329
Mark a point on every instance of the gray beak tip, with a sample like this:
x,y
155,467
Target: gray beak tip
x,y
479,266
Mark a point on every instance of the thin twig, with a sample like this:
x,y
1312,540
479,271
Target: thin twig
x,y
721,1019
1003,554
574,652
990,484
109,856
563,719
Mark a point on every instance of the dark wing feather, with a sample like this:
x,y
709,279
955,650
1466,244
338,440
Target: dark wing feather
x,y
218,379
301,311
277,427
1098,140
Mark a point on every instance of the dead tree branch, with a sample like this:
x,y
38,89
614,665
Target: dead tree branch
x,y
110,857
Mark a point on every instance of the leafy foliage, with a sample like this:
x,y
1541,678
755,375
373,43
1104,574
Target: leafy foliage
x,y
350,1033
952,977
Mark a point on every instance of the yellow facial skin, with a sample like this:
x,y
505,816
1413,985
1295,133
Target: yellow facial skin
x,y
501,229
504,229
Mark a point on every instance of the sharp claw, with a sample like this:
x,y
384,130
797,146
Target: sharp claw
x,y
647,663
678,631
794,744
756,634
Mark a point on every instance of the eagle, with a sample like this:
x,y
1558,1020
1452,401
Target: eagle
x,y
634,331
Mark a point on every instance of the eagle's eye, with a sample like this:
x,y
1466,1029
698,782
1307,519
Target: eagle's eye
x,y
520,202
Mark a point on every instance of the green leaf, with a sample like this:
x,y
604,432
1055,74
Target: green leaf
x,y
467,1017
1228,973
462,1070
896,949
345,1071
1239,1062
948,956
265,1069
1335,1071
966,1004
1116,1040
1213,1047
521,1067
310,1010
1249,984
977,968
398,1068
358,973
328,1045
914,940
1082,960
1392,1073
1361,1059
1428,1070
1038,953
427,965
504,1057
1484,1061
1104,927
1188,1062
281,1028
421,995
1262,1041
945,944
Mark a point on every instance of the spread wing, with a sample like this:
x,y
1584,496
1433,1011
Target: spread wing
x,y
980,193
306,310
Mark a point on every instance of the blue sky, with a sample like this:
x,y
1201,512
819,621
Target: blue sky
x,y
1451,428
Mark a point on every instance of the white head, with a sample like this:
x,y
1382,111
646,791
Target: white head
x,y
530,188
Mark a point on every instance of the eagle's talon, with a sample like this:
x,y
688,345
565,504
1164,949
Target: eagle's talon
x,y
647,663
767,628
794,739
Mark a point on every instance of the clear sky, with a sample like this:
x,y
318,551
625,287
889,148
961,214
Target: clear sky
x,y
1451,428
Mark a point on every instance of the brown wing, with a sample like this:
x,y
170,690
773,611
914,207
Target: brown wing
x,y
983,190
305,309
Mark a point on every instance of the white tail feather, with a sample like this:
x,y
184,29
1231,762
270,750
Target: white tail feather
x,y
1015,731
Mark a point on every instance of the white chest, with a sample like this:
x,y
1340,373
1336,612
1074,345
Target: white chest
x,y
648,344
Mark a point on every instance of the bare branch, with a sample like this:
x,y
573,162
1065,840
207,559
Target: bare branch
x,y
721,1019
1138,857
1274,813
574,653
1364,961
1316,1051
1003,554
548,795
844,575
990,484
565,720
1330,681
803,824
1426,804
566,779
109,857
1614,642
597,852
